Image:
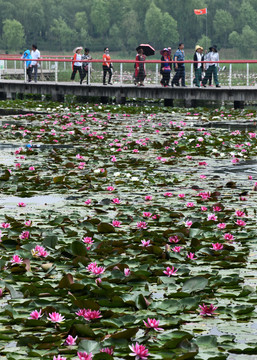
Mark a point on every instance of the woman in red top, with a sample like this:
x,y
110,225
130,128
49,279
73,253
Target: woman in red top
x,y
107,66
140,68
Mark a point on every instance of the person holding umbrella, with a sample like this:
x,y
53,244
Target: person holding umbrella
x,y
27,55
77,64
140,68
165,67
143,50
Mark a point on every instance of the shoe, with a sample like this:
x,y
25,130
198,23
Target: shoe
x,y
204,85
109,83
172,85
81,81
217,85
104,84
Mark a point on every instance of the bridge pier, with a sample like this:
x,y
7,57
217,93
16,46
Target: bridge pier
x,y
10,96
104,99
57,97
168,102
239,104
120,99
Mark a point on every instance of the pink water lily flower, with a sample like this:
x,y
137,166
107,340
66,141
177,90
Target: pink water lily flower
x,y
142,225
28,223
55,317
39,251
145,243
221,225
116,201
5,225
212,217
153,324
21,204
188,223
170,271
190,204
207,310
240,222
110,188
70,340
148,197
228,236
177,249
191,256
204,208
85,356
174,239
126,272
35,314
217,246
116,223
89,314
24,235
59,357
168,194
16,259
107,350
139,351
88,201
240,213
147,214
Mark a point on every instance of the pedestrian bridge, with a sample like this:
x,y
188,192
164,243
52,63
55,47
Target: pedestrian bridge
x,y
239,95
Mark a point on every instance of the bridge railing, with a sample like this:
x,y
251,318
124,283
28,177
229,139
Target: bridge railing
x,y
59,69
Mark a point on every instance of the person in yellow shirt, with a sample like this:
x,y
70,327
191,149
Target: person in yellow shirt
x,y
107,66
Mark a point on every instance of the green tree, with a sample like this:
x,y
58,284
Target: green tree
x,y
169,32
13,34
204,41
223,24
62,34
153,24
100,17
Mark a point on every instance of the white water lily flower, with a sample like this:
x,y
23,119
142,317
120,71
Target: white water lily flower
x,y
146,182
128,175
116,174
134,178
97,171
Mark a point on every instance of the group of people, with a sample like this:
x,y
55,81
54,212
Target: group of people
x,y
210,67
79,64
32,62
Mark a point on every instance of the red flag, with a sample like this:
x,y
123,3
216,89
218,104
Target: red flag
x,y
200,11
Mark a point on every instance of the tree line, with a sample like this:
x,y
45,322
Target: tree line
x,y
60,25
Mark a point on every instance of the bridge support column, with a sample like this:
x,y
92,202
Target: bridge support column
x,y
188,103
239,104
58,97
10,96
168,102
120,99
104,99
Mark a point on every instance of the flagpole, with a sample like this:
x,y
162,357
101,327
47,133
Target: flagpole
x,y
206,32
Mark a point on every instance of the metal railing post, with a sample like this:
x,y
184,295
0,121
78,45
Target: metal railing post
x,y
56,71
89,73
15,66
156,73
230,75
121,73
25,71
64,65
247,74
192,75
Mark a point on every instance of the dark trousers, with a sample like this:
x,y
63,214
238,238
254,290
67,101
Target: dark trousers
x,y
198,77
105,70
180,74
165,78
34,68
84,74
74,72
212,69
29,73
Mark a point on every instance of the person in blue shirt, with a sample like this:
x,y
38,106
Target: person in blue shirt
x,y
27,55
179,67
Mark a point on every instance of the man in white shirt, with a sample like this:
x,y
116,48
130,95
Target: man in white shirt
x,y
35,53
213,67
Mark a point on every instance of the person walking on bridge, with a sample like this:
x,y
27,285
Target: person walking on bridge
x,y
198,66
27,55
77,64
140,68
35,53
165,67
213,67
179,67
107,66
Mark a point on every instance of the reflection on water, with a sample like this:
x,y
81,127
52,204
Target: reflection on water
x,y
12,201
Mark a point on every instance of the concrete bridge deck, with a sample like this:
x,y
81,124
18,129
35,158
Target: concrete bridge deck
x,y
237,94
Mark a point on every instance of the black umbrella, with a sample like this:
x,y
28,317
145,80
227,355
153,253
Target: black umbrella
x,y
148,49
